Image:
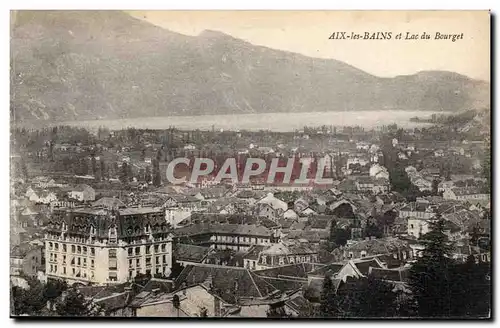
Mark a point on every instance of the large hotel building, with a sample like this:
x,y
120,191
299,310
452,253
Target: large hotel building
x,y
103,246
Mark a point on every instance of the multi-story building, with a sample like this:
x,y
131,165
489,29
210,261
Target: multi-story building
x,y
95,245
285,253
465,194
238,237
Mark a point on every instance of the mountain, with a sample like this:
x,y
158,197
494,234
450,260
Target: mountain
x,y
74,65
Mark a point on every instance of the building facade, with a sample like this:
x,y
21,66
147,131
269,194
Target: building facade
x,y
104,246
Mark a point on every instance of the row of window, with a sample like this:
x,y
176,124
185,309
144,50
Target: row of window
x,y
149,249
291,259
73,273
74,249
148,261
78,261
241,239
158,270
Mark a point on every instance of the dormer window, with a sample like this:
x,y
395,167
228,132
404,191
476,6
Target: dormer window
x,y
92,230
64,227
147,229
112,234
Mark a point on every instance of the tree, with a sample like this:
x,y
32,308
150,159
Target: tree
x,y
430,279
340,236
435,187
369,298
124,178
156,173
147,175
328,304
372,230
29,301
74,304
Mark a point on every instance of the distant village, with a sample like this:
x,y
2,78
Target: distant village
x,y
92,211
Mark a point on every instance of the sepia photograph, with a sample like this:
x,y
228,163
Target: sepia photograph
x,y
250,164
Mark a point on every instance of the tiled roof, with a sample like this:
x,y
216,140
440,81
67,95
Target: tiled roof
x,y
191,253
229,283
253,252
80,221
378,246
299,270
231,229
329,269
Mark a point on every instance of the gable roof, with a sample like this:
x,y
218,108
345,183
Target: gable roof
x,y
364,266
329,269
292,271
394,275
229,283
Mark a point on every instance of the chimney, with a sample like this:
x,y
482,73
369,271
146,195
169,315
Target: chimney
x,y
155,291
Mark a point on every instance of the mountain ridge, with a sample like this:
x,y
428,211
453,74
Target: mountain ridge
x,y
91,65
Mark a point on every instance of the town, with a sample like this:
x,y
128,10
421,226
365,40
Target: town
x,y
401,230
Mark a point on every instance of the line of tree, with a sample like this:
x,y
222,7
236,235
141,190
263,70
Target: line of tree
x,y
438,287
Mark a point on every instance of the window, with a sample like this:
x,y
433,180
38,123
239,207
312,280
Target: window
x,y
164,258
64,270
157,248
130,274
51,268
148,261
78,261
130,251
56,245
79,249
84,262
148,249
55,268
64,248
137,251
130,262
291,260
138,263
281,260
112,259
264,259
91,264
85,250
51,257
112,234
92,251
164,247
157,260
73,270
113,276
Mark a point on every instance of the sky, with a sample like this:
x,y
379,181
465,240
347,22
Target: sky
x,y
308,32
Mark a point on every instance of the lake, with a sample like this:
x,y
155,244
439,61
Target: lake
x,y
279,122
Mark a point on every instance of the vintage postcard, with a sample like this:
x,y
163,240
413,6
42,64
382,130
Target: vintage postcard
x,y
250,164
